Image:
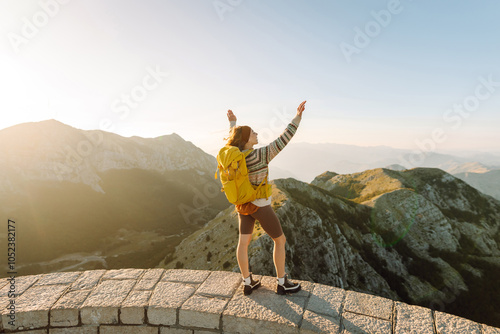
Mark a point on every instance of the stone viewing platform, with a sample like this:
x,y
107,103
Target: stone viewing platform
x,y
184,301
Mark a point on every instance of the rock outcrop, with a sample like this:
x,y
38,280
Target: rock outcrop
x,y
420,236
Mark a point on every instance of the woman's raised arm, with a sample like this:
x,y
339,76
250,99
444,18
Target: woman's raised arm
x,y
231,118
300,108
271,150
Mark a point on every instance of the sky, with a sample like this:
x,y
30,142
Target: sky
x,y
415,74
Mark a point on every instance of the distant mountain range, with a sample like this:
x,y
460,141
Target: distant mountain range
x,y
76,191
92,199
305,161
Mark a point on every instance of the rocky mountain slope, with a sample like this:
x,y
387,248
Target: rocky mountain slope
x,y
51,150
98,196
420,235
486,182
91,199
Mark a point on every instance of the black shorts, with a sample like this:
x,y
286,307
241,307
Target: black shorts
x,y
267,219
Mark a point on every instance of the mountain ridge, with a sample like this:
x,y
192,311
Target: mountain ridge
x,y
53,150
428,239
346,159
56,180
419,235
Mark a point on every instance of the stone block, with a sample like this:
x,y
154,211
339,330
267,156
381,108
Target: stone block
x,y
64,313
153,273
101,306
128,330
88,279
412,319
326,300
170,330
221,284
58,278
123,274
147,284
32,307
366,304
263,309
202,311
490,330
3,282
149,279
99,315
449,323
75,330
4,302
167,297
313,323
36,331
133,309
21,284
185,276
362,324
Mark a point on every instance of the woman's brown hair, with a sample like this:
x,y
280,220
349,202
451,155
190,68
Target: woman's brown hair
x,y
235,137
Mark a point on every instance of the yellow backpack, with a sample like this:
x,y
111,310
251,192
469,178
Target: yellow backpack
x,y
233,172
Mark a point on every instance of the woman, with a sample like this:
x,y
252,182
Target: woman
x,y
257,163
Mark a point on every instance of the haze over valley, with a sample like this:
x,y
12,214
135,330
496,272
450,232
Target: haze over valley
x,y
86,199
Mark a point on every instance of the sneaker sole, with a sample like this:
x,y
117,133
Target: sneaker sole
x,y
282,291
247,289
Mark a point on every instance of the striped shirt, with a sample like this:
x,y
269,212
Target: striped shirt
x,y
258,160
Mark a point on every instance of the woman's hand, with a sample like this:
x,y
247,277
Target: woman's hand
x,y
301,108
230,116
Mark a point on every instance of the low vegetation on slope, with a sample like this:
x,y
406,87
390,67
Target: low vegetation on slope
x,y
421,236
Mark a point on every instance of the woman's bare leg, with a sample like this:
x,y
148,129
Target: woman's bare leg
x,y
242,254
279,255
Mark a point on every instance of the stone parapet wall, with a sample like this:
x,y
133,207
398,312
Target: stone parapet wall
x,y
181,301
